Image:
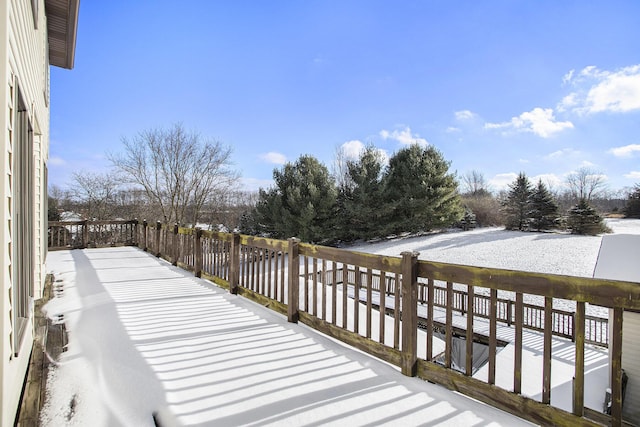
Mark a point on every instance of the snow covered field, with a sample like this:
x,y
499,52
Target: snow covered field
x,y
552,253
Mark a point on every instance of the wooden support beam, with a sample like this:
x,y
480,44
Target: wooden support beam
x,y
294,281
409,313
578,378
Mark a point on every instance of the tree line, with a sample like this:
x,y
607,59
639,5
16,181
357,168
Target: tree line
x,y
177,176
362,199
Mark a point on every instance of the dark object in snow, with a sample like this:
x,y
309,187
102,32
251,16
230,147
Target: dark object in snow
x,y
165,418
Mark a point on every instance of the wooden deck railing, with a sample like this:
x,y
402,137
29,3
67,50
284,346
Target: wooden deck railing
x,y
306,283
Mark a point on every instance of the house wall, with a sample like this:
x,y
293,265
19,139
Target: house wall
x,y
631,365
23,64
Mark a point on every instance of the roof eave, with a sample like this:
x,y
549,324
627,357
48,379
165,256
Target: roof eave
x,y
62,26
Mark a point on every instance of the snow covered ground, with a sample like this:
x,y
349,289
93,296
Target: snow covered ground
x,y
144,336
553,253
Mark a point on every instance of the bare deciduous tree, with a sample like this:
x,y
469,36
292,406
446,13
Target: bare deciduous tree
x,y
179,170
95,192
475,184
339,168
586,183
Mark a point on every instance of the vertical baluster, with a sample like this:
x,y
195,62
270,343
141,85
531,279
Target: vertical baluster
x,y
282,284
369,300
324,289
546,360
344,297
430,301
449,326
517,358
469,337
492,335
356,299
334,288
383,305
396,312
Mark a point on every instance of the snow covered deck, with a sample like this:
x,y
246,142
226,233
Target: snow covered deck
x,y
146,336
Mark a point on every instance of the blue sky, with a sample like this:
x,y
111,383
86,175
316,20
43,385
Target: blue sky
x,y
500,87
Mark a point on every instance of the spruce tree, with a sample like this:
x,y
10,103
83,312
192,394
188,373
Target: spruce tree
x,y
421,193
544,209
363,199
632,208
583,219
517,206
302,204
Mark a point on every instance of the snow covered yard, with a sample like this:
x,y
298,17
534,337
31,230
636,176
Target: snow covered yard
x,y
144,335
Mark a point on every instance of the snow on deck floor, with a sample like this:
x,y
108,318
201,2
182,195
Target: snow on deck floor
x,y
144,335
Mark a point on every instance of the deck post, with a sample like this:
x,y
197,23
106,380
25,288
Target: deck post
x,y
85,234
294,281
175,246
158,229
144,235
197,252
136,237
234,273
409,313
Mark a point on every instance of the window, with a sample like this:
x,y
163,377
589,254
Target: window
x,y
22,235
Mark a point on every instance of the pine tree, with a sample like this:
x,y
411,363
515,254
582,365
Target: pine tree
x,y
362,201
421,193
583,219
632,208
517,206
302,203
544,209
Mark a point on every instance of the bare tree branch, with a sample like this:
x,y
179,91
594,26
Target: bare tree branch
x,y
586,183
179,170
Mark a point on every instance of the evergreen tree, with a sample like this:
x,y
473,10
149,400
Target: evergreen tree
x,y
362,201
583,219
421,193
632,208
517,206
301,204
265,219
544,209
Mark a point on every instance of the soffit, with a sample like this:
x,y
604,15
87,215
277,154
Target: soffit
x,y
62,25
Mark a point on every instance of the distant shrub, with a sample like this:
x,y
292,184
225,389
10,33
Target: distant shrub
x,y
486,208
632,208
583,219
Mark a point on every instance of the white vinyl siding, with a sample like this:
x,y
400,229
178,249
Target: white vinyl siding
x,y
631,365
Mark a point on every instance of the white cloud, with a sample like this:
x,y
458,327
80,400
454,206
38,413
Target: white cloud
x,y
562,154
502,180
464,115
604,91
567,77
524,161
538,121
633,175
453,129
275,158
551,180
56,161
625,151
404,136
254,184
352,149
